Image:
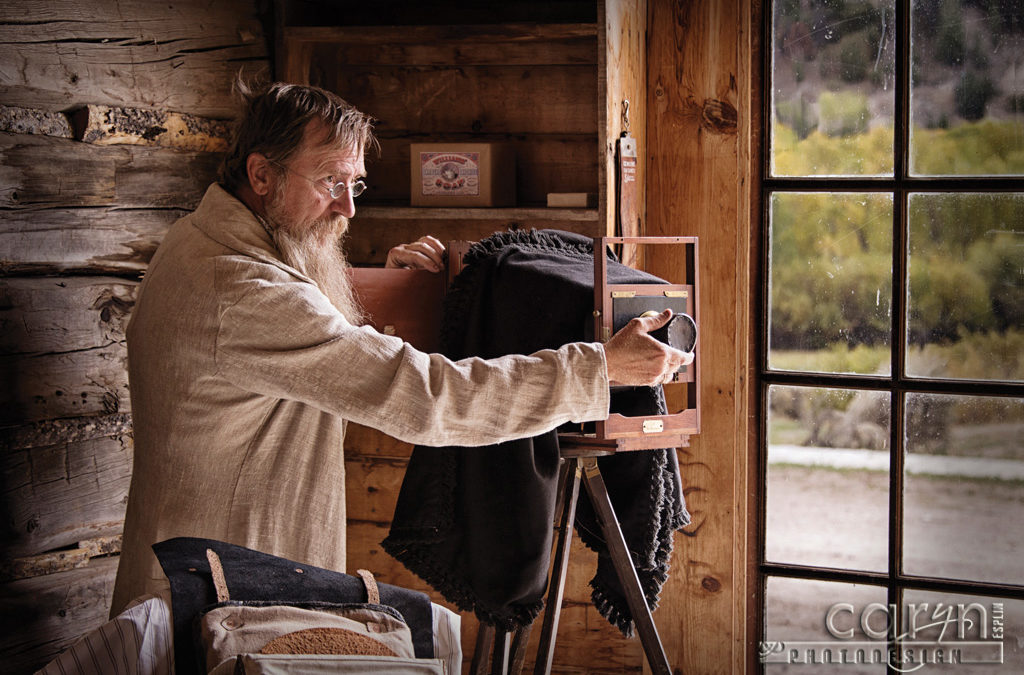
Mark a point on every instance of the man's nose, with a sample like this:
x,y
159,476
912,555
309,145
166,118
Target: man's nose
x,y
344,204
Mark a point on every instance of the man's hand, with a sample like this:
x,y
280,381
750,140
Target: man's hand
x,y
423,254
637,359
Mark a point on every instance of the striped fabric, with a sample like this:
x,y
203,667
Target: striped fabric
x,y
447,638
135,642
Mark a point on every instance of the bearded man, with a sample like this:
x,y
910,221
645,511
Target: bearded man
x,y
247,355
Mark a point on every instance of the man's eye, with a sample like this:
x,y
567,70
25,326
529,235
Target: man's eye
x,y
329,180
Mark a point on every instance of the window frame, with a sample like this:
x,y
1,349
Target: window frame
x,y
900,185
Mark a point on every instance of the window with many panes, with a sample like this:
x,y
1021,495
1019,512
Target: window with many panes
x,y
892,360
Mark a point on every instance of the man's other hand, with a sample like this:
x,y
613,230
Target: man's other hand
x,y
637,359
423,254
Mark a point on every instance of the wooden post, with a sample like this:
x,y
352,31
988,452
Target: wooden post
x,y
698,182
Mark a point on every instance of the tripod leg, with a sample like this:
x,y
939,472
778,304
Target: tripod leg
x,y
624,567
518,649
484,641
499,660
553,607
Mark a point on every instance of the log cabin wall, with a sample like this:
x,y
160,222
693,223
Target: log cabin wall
x,y
111,113
79,220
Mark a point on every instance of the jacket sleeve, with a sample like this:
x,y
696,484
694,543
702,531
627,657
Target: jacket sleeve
x,y
279,336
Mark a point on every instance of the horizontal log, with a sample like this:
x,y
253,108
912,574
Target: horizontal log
x,y
65,430
38,171
99,546
105,240
60,560
63,494
56,315
43,563
33,121
43,615
63,347
106,125
173,56
75,384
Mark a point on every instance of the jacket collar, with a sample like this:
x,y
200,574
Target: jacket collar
x,y
224,218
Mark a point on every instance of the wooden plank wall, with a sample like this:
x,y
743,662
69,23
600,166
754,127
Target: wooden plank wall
x,y
78,223
699,171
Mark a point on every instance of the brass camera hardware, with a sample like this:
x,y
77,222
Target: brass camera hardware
x,y
653,426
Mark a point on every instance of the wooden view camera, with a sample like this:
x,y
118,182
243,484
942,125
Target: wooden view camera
x,y
407,303
614,306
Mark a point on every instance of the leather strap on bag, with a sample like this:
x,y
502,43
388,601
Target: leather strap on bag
x,y
220,583
372,597
372,592
217,570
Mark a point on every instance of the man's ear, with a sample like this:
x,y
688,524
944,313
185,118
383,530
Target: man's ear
x,y
257,168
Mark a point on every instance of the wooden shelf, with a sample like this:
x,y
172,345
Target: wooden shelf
x,y
554,91
442,213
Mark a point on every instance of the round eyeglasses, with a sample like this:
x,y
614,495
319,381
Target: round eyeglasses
x,y
336,190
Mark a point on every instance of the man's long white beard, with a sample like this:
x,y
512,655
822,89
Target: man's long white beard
x,y
315,250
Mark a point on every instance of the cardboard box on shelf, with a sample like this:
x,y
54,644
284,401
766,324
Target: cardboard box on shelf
x,y
462,174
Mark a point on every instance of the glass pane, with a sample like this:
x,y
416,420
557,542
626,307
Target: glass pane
x,y
832,88
827,497
974,635
964,485
965,307
966,93
830,282
819,622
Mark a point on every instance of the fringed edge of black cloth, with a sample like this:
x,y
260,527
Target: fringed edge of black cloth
x,y
476,523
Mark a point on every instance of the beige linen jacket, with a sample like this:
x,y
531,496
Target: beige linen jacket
x,y
242,378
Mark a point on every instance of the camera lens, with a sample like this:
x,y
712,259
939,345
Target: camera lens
x,y
680,332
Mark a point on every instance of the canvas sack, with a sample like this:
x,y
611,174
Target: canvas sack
x,y
371,631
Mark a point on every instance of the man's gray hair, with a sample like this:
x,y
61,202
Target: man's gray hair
x,y
274,117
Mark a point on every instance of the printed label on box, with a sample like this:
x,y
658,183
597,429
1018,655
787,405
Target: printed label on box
x,y
450,173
